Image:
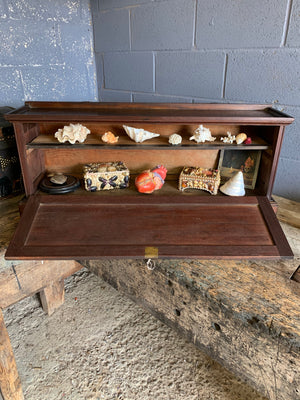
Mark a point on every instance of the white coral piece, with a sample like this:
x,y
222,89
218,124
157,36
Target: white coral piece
x,y
72,133
202,135
139,135
229,138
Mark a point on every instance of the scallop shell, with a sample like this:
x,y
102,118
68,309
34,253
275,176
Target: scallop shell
x,y
109,137
235,186
202,135
139,135
175,139
72,133
241,137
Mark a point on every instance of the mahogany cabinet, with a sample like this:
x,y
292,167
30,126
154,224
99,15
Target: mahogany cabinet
x,y
127,224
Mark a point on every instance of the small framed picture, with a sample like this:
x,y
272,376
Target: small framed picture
x,y
247,161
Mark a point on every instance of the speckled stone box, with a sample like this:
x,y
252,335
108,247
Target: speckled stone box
x,y
106,176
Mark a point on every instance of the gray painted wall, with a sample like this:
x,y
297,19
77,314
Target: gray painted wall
x,y
205,51
46,51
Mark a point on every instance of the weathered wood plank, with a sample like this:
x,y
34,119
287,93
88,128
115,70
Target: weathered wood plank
x,y
53,296
10,384
288,211
242,314
30,277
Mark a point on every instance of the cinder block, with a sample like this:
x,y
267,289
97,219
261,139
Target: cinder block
x,y
3,10
114,95
287,182
293,37
100,72
156,98
111,30
76,41
291,141
264,76
11,91
71,83
164,25
207,100
240,24
129,71
110,4
49,10
198,74
29,43
94,7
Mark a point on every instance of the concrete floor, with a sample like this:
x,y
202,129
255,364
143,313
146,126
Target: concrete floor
x,y
100,345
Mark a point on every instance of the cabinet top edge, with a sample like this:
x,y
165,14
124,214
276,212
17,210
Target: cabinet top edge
x,y
37,111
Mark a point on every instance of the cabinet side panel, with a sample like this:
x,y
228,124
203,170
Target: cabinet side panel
x,y
32,162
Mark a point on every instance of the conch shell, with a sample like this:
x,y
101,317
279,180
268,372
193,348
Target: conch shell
x,y
139,135
202,135
109,137
72,133
235,185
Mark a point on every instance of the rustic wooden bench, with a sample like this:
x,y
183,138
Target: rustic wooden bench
x,y
19,280
244,314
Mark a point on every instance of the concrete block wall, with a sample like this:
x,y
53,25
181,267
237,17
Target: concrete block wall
x,y
204,51
46,51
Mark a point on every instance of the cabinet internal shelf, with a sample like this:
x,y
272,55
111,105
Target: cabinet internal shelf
x,y
169,189
94,141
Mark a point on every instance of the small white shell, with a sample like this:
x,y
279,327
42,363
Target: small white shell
x,y
241,137
139,135
235,185
175,139
202,135
72,133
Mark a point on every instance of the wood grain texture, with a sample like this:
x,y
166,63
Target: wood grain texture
x,y
53,296
10,384
78,227
19,280
289,211
158,112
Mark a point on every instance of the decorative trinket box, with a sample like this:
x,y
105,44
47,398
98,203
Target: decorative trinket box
x,y
199,178
106,176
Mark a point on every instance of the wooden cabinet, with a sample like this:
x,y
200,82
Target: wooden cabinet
x,y
127,224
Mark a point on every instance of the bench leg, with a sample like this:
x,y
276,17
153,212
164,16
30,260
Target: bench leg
x,y
53,296
10,384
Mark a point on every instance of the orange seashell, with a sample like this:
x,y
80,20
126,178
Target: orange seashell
x,y
109,137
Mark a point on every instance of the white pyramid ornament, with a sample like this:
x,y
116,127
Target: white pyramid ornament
x,y
139,135
235,186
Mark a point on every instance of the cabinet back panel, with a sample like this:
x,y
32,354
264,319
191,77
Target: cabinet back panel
x,y
72,160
